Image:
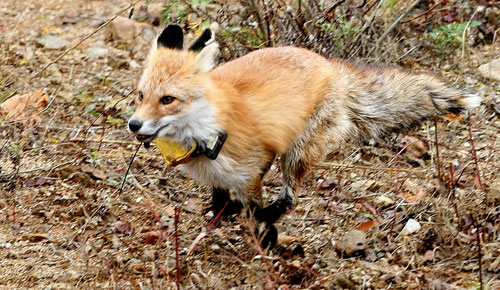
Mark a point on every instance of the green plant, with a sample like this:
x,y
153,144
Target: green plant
x,y
340,30
176,10
448,37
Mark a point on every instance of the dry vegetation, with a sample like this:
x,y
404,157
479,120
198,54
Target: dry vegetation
x,y
63,223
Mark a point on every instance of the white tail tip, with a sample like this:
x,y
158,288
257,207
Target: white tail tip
x,y
472,101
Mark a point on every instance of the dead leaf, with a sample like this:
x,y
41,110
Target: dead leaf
x,y
415,148
34,238
170,211
365,226
94,172
38,181
152,237
195,205
123,227
20,107
285,240
414,198
455,118
364,185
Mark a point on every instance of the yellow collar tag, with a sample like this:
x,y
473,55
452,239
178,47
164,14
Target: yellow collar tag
x,y
172,152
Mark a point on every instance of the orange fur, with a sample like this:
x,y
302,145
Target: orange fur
x,y
283,101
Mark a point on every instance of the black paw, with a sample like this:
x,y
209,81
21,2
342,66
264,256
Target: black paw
x,y
273,212
268,235
231,208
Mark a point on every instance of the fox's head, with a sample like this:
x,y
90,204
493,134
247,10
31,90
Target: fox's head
x,y
171,94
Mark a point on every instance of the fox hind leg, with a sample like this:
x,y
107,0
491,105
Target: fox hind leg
x,y
294,165
286,200
292,173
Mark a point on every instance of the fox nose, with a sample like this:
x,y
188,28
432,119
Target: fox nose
x,y
134,125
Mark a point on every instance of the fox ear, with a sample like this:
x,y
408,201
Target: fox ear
x,y
205,38
171,37
205,59
206,49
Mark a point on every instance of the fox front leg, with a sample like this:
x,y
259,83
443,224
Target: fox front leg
x,y
221,199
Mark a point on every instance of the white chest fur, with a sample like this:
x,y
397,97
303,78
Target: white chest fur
x,y
221,172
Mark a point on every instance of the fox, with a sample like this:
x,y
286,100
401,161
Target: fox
x,y
285,103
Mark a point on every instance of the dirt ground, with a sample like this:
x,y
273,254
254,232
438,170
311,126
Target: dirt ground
x,y
64,224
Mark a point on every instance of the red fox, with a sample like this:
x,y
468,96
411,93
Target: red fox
x,y
287,101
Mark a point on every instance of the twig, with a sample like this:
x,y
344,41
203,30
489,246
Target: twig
x,y
85,136
426,12
474,154
159,196
260,20
452,190
176,236
465,32
18,21
334,5
77,140
85,38
155,214
437,150
393,25
203,234
401,151
365,27
128,168
36,169
106,113
479,256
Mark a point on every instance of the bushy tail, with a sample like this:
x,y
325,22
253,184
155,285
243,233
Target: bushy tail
x,y
387,100
449,100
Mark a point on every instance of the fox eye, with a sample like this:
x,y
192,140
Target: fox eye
x,y
141,96
165,100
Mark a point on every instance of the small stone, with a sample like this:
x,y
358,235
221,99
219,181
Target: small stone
x,y
364,185
149,255
343,282
383,200
123,29
155,9
117,243
152,237
353,243
148,34
123,227
39,209
96,52
412,226
34,238
491,70
53,42
296,263
72,275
